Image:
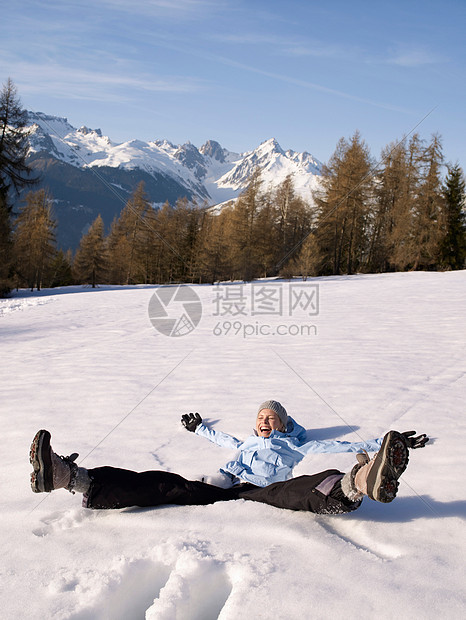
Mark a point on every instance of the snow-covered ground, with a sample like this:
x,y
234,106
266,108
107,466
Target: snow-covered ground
x,y
384,351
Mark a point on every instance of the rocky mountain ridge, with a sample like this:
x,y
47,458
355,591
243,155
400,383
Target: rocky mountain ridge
x,y
87,173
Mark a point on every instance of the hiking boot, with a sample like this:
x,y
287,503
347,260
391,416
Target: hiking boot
x,y
50,470
378,479
348,485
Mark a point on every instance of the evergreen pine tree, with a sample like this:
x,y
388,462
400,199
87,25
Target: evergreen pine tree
x,y
60,269
391,205
14,172
165,259
419,220
403,232
91,262
343,203
6,246
453,249
294,222
242,231
212,253
266,238
34,240
306,262
127,243
186,228
429,220
284,198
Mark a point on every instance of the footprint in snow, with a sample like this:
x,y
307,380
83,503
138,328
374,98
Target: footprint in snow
x,y
195,588
59,521
127,594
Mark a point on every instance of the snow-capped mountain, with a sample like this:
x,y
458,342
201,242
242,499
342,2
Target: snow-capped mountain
x,y
87,173
275,165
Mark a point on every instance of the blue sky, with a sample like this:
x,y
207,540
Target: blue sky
x,y
242,71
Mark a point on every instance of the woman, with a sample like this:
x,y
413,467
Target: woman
x,y
262,470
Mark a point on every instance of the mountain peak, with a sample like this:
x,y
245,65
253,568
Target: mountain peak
x,y
85,131
190,157
210,173
213,149
68,159
270,145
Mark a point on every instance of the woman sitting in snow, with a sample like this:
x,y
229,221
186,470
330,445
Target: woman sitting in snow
x,y
262,471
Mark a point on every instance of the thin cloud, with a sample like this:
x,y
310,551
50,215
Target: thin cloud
x,y
283,78
286,45
311,85
59,81
318,50
414,57
176,8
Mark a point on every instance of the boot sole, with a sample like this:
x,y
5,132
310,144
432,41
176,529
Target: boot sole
x,y
40,459
390,462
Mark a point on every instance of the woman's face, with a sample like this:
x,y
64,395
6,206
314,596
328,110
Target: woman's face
x,y
268,421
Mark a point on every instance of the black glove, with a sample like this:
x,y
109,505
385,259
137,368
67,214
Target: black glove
x,y
415,442
191,421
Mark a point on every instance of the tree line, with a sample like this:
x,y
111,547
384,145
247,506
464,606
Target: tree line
x,y
402,213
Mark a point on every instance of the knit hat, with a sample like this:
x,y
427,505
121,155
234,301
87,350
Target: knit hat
x,y
279,409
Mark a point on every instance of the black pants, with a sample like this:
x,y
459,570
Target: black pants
x,y
121,488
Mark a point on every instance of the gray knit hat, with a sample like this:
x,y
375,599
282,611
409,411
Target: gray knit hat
x,y
279,409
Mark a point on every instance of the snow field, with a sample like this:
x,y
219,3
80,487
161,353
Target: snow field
x,y
389,352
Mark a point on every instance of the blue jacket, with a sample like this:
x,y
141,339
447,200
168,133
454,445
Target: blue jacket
x,y
263,461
